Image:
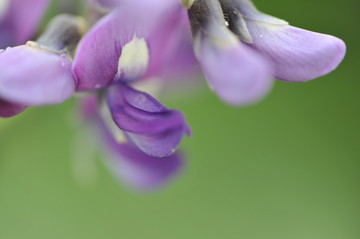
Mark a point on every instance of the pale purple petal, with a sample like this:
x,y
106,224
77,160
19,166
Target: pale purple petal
x,y
235,72
297,55
97,56
8,109
20,21
32,76
141,171
171,46
156,130
157,26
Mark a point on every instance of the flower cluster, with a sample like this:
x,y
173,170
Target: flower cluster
x,y
142,42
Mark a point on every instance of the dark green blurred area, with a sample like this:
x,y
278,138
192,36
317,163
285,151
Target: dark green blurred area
x,y
286,168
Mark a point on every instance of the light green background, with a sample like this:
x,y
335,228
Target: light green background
x,y
286,168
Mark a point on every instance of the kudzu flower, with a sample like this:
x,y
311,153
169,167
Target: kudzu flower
x,y
240,49
39,73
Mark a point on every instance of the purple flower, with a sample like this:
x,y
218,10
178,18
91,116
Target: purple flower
x,y
111,58
45,77
19,20
240,49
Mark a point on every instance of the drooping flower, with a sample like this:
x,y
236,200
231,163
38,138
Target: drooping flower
x,y
240,49
45,76
111,58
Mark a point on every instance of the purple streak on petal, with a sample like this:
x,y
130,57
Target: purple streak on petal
x,y
156,130
8,109
235,72
21,21
32,76
297,55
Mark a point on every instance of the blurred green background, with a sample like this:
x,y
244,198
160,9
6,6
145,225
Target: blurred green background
x,y
286,168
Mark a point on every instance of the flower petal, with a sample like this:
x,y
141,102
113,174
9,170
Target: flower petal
x,y
137,169
156,130
170,45
235,72
20,21
8,109
100,59
98,53
32,76
297,55
140,170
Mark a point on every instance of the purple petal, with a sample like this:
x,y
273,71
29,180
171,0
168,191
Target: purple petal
x,y
171,45
32,76
128,163
157,25
156,130
140,170
8,109
297,55
235,72
20,21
